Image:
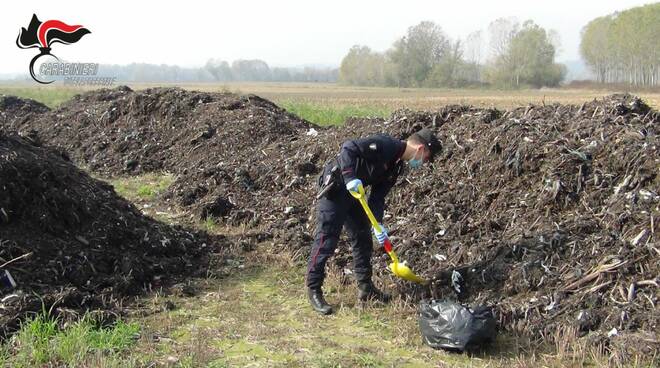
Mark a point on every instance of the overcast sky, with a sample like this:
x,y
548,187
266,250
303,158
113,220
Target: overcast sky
x,y
281,32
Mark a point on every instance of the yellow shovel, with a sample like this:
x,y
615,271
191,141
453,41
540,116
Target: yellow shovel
x,y
399,269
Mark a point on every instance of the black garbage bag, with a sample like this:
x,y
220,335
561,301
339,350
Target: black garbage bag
x,y
449,325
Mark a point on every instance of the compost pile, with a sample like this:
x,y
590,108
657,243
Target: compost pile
x,y
548,212
225,149
70,241
19,110
120,131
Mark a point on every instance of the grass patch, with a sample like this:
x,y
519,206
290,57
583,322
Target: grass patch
x,y
332,114
210,224
144,187
49,96
40,342
260,317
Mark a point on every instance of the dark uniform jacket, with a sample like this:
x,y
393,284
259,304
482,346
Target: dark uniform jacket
x,y
377,162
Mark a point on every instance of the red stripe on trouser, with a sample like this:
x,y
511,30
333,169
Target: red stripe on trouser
x,y
309,269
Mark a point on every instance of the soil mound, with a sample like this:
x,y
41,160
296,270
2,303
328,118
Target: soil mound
x,y
73,241
226,150
123,132
549,212
16,110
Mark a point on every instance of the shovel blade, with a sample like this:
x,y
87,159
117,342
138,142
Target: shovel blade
x,y
404,272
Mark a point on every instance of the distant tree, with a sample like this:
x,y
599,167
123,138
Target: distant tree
x,y
595,46
250,70
501,32
527,60
624,46
425,56
445,73
219,69
473,47
216,70
320,74
396,73
281,74
473,54
418,52
533,54
361,66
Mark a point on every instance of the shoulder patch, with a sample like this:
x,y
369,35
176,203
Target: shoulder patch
x,y
373,147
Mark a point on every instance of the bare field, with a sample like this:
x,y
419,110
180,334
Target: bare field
x,y
379,98
413,98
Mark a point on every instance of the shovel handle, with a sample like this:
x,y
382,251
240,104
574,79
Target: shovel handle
x,y
387,244
361,198
390,251
403,272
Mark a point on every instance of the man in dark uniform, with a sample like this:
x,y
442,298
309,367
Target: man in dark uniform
x,y
377,162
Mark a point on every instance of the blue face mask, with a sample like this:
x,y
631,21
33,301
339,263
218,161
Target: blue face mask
x,y
416,163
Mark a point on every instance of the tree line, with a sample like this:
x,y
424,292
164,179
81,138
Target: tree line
x,y
515,55
624,47
258,70
216,70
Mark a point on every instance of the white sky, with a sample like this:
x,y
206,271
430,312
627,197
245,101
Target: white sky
x,y
281,32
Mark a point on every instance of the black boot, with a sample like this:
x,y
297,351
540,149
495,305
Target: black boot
x,y
318,302
368,291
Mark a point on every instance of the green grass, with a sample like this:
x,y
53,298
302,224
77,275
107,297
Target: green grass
x,y
259,316
40,342
332,114
4,356
49,96
142,187
210,224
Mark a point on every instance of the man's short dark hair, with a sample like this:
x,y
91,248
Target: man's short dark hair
x,y
427,138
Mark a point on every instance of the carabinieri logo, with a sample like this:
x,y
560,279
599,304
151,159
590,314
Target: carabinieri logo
x,y
44,35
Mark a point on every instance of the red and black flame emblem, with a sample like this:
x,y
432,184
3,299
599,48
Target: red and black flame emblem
x,y
44,35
